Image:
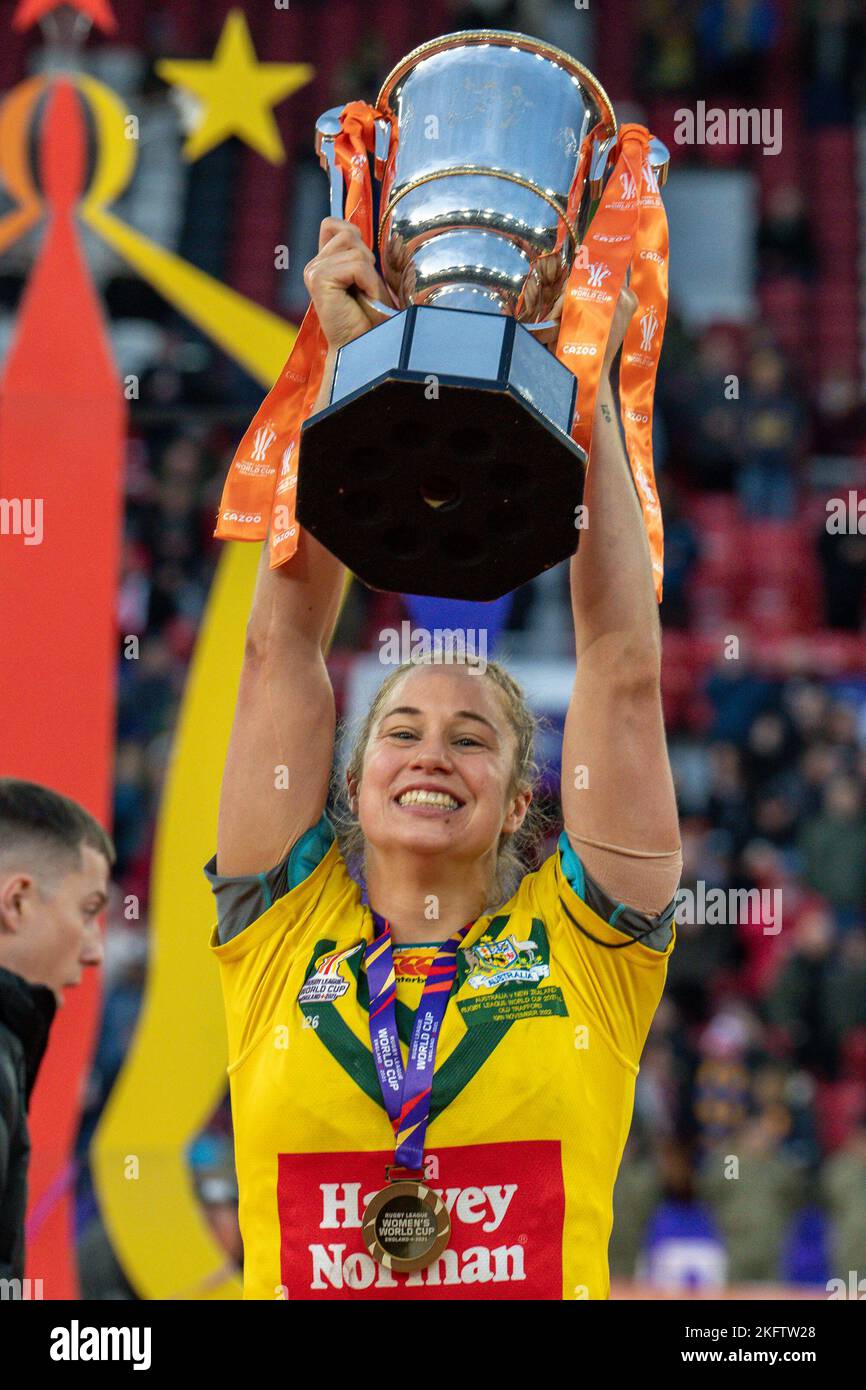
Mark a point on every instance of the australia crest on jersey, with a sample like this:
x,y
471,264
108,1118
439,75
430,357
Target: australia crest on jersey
x,y
326,983
495,961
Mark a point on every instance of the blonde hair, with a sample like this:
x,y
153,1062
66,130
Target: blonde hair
x,y
512,852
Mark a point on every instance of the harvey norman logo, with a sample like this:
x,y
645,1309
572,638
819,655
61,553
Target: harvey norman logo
x,y
481,1208
506,1205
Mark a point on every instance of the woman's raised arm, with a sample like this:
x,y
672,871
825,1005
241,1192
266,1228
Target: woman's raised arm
x,y
618,800
275,783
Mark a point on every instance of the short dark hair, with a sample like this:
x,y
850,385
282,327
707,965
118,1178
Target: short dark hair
x,y
46,823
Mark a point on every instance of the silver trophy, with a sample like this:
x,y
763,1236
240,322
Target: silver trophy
x,y
443,463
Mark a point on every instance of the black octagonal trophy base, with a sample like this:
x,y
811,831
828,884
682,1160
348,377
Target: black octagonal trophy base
x,y
443,464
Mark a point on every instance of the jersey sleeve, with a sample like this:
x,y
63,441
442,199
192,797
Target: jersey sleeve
x,y
616,977
314,896
656,932
242,898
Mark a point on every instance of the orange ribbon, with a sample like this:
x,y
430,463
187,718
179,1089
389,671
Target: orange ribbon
x,y
629,228
255,501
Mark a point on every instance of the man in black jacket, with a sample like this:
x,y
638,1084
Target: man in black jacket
x,y
54,865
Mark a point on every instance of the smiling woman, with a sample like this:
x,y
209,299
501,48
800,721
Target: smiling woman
x,y
432,1087
492,738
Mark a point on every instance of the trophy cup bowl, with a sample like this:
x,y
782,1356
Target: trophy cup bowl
x,y
444,462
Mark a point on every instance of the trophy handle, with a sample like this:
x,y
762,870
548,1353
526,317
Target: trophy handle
x,y
660,160
327,129
602,163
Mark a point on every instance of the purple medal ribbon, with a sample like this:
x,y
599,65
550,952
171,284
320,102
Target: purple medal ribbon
x,y
407,1093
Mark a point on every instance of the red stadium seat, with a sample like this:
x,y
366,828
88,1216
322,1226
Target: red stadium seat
x,y
772,548
839,1110
836,653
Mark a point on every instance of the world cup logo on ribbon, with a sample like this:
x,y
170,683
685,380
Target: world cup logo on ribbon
x,y
263,440
598,273
649,327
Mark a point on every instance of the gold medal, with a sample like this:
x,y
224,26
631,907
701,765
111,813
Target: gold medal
x,y
406,1226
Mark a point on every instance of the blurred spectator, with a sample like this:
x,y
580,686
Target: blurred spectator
x,y
804,1255
831,52
727,805
774,818
704,950
722,1083
840,1104
635,1197
833,846
681,552
754,1189
663,1083
843,562
800,1002
148,687
212,1162
818,763
130,802
714,423
841,729
771,425
667,49
737,694
844,1189
683,1249
840,413
133,598
785,242
735,36
846,987
218,1194
806,703
762,869
770,747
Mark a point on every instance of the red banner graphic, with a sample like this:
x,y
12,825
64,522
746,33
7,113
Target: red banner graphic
x,y
506,1203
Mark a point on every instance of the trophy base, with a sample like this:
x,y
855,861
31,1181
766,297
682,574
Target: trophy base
x,y
443,465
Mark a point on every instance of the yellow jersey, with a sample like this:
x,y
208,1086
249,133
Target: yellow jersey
x,y
532,1093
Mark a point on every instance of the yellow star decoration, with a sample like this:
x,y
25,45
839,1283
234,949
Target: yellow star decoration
x,y
235,92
